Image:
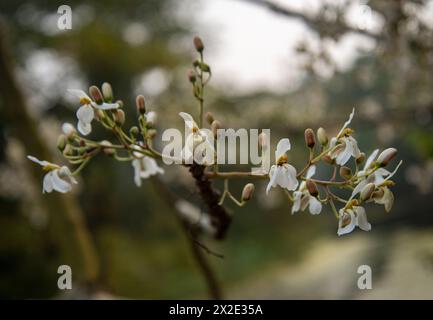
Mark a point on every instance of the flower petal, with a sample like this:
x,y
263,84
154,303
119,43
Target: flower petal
x,y
311,172
105,106
370,159
344,155
349,226
296,201
189,120
136,164
84,128
85,114
273,177
282,147
315,205
80,94
47,184
361,219
347,122
43,163
290,175
59,184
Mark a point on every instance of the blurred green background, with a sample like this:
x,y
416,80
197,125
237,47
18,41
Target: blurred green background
x,y
145,47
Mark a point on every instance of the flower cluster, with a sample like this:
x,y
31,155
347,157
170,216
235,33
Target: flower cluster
x,y
367,180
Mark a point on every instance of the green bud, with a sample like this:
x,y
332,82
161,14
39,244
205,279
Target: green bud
x,y
322,136
107,91
61,142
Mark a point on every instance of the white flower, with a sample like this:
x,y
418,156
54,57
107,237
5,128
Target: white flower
x,y
85,113
151,117
302,198
144,166
199,142
282,173
351,218
56,177
346,145
379,178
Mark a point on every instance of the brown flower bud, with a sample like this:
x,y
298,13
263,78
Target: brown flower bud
x,y
119,117
151,133
386,156
215,126
322,136
361,158
141,105
198,44
345,173
107,91
247,192
61,142
367,191
209,117
310,139
191,76
312,188
96,94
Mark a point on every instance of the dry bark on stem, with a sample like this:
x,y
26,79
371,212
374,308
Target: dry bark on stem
x,y
191,234
219,216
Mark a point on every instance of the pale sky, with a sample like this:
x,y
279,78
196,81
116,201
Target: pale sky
x,y
252,48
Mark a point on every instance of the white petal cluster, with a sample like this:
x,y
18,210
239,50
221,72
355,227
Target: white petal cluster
x,y
58,178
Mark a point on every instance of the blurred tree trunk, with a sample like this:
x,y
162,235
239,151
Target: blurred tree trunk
x,y
67,228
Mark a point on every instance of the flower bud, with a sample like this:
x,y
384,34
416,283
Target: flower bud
x,y
191,76
367,191
345,173
247,192
119,117
96,94
361,158
215,126
68,130
120,103
386,156
209,117
61,142
106,148
107,91
134,131
141,105
151,133
68,151
198,44
312,188
310,140
322,136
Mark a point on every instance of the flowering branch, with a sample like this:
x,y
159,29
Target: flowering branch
x,y
370,184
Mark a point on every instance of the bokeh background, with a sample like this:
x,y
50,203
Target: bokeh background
x,y
284,65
